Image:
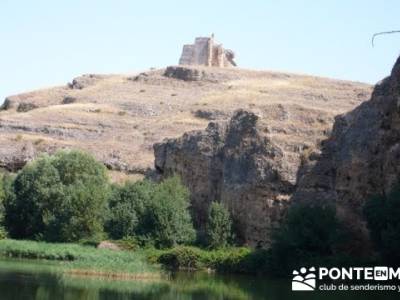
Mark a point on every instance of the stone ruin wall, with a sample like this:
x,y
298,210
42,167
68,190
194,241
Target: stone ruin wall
x,y
187,55
205,52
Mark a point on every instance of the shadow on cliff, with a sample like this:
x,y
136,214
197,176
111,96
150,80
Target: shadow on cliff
x,y
360,159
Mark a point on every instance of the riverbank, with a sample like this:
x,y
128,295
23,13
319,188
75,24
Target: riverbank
x,y
83,260
142,262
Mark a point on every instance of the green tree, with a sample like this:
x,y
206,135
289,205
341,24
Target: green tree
x,y
3,233
383,219
37,193
128,206
309,234
58,198
219,226
168,221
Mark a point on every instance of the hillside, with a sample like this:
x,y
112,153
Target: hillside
x,y
118,118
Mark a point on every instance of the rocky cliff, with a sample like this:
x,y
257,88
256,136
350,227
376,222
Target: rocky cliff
x,y
260,162
237,164
251,163
360,159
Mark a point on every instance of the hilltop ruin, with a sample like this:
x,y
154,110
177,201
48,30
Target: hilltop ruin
x,y
206,52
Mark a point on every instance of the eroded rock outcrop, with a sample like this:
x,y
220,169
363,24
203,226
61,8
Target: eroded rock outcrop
x,y
235,163
85,80
16,155
359,160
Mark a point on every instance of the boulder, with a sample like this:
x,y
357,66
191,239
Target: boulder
x,y
183,73
26,106
7,104
84,81
108,245
68,100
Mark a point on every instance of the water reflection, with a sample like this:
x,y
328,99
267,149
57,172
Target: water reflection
x,y
27,280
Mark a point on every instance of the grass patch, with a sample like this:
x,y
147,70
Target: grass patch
x,y
81,259
85,260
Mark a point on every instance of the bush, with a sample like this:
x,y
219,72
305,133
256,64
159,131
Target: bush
x,y
383,219
238,260
182,258
167,220
309,234
233,260
219,226
153,215
58,198
128,206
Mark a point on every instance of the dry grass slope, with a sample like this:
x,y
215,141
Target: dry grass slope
x,y
118,118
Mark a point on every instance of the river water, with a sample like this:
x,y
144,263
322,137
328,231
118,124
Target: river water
x,y
25,280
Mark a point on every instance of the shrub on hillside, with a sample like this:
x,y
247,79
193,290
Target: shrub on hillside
x,y
58,198
383,218
219,226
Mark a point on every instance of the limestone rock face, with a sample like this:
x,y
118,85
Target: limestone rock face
x,y
17,155
253,159
360,159
196,158
235,163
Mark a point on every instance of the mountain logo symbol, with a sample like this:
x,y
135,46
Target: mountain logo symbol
x,y
305,280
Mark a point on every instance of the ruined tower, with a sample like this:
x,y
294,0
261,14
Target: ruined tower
x,y
205,52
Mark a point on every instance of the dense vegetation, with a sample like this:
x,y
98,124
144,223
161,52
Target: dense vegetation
x,y
58,198
383,218
150,213
310,235
67,197
3,233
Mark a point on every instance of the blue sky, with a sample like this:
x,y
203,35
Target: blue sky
x,y
47,42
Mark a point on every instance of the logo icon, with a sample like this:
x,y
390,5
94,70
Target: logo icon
x,y
381,273
304,280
